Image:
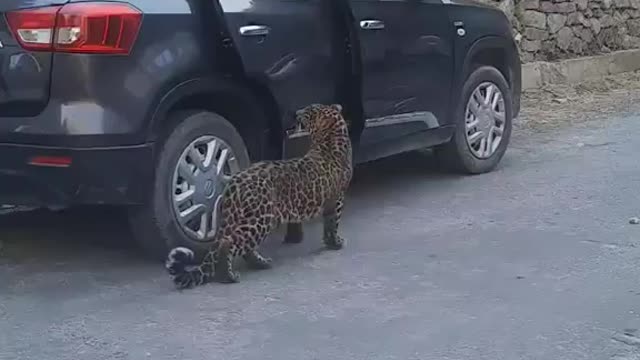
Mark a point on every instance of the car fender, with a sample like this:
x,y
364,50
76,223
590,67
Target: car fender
x,y
198,86
512,62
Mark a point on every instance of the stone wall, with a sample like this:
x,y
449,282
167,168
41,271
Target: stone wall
x,y
559,29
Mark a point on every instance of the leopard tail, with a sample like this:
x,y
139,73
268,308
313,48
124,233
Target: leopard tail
x,y
183,270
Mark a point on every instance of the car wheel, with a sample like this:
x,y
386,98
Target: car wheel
x,y
193,165
483,120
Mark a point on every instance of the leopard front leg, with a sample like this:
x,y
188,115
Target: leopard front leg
x,y
294,234
332,214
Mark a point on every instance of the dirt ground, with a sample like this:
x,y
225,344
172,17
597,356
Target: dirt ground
x,y
564,105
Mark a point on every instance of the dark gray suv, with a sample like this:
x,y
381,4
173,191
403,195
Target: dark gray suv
x,y
152,104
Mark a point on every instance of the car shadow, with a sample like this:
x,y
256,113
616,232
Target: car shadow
x,y
100,238
395,172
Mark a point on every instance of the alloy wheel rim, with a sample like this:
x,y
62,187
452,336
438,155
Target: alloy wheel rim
x,y
485,120
200,176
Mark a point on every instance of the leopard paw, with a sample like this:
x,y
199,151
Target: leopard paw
x,y
229,278
335,244
258,262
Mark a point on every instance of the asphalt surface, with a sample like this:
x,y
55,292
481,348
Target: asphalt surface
x,y
536,260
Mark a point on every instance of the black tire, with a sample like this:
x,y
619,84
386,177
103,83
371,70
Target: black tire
x,y
456,154
154,224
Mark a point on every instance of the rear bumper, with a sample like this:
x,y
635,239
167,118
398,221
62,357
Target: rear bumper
x,y
110,175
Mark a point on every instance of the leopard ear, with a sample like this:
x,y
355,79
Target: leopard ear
x,y
300,112
337,107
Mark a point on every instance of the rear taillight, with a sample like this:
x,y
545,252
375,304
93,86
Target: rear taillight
x,y
94,28
34,28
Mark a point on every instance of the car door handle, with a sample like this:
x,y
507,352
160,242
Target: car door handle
x,y
254,30
371,25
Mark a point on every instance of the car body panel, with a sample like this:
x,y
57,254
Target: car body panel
x,y
291,51
84,107
24,75
407,66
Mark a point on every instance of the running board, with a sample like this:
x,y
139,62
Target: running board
x,y
367,152
391,135
383,137
423,117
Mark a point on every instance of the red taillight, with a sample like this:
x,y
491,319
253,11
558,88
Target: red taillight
x,y
91,27
97,28
34,28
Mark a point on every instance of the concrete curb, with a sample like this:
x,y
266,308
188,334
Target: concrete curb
x,y
571,71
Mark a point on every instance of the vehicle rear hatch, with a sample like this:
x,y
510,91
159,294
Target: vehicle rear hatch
x,y
24,73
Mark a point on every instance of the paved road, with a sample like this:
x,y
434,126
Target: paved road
x,y
534,261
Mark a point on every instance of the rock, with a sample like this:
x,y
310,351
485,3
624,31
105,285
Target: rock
x,y
583,33
567,7
607,21
531,46
635,4
633,14
609,38
532,4
565,37
535,34
508,7
583,4
576,46
556,22
631,42
622,4
548,46
606,4
534,19
634,27
577,18
622,29
620,18
595,26
547,7
560,100
518,38
527,57
634,221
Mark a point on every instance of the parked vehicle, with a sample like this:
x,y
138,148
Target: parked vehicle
x,y
148,104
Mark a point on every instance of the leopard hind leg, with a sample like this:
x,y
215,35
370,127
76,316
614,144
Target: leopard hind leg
x,y
245,243
224,271
332,216
254,237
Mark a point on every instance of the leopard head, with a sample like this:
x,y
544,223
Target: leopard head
x,y
316,117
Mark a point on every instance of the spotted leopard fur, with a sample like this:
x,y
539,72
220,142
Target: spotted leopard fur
x,y
271,193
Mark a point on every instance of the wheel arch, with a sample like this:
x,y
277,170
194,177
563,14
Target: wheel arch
x,y
249,107
499,52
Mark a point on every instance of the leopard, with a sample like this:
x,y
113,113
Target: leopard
x,y
271,193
